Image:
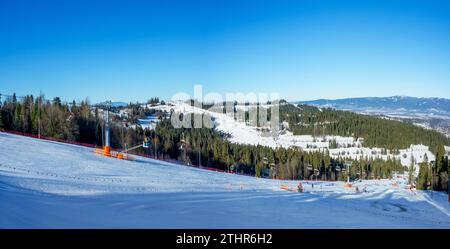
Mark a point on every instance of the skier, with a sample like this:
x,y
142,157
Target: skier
x,y
299,187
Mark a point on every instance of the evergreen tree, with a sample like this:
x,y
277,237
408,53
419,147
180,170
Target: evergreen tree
x,y
424,177
411,171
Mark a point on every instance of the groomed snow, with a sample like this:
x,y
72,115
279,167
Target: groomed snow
x,y
46,184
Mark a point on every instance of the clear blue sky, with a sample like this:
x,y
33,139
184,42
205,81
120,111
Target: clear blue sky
x,y
132,50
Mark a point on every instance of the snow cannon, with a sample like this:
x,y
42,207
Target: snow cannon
x,y
147,143
107,151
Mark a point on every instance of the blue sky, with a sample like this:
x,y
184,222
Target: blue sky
x,y
133,50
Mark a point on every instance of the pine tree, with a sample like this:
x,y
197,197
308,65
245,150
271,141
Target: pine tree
x,y
424,177
411,171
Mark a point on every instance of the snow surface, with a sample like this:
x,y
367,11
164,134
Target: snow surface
x,y
447,149
46,184
148,123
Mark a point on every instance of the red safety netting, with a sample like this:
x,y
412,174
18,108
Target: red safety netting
x,y
133,153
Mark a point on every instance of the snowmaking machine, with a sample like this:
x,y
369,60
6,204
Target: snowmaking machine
x,y
106,149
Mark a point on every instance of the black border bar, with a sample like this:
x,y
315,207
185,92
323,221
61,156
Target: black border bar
x,y
148,238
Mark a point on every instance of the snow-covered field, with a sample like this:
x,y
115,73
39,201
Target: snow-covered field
x,y
149,122
46,184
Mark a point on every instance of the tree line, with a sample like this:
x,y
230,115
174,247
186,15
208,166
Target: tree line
x,y
207,147
376,132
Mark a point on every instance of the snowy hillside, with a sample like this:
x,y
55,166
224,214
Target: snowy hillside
x,y
429,113
348,147
46,184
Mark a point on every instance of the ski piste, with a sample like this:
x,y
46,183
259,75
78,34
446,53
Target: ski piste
x,y
49,184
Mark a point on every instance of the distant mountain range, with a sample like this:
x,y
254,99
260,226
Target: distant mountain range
x,y
428,112
113,104
395,104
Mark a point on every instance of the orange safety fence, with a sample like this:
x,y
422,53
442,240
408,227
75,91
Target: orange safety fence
x,y
286,187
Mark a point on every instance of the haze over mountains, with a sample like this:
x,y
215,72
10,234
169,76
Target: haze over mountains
x,y
428,112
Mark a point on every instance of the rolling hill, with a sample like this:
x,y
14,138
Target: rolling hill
x,y
433,113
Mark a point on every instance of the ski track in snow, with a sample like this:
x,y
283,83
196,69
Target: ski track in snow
x,y
45,184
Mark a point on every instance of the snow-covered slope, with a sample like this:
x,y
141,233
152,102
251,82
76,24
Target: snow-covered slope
x,y
243,133
348,147
46,184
